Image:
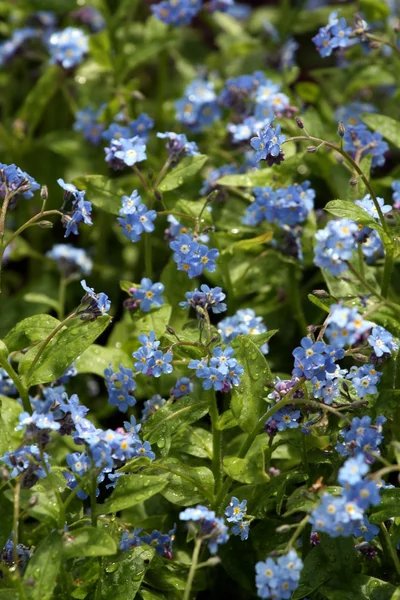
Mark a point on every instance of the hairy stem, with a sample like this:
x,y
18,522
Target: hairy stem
x,y
192,570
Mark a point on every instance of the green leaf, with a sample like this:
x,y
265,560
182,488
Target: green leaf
x,y
42,299
88,541
69,343
123,577
357,587
156,320
388,127
349,210
389,506
6,522
195,441
100,49
101,191
43,568
246,470
186,485
170,417
30,330
186,168
130,490
249,244
247,399
40,95
374,10
276,174
194,208
97,358
9,411
226,420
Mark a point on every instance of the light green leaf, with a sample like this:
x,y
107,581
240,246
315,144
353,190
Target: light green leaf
x,y
69,343
195,441
170,417
101,191
43,568
42,299
88,541
30,330
357,587
156,320
246,470
247,399
389,506
186,168
186,485
123,577
97,358
193,208
130,490
388,127
100,49
9,411
249,244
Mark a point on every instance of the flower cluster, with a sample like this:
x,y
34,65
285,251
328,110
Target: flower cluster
x,y
243,322
335,245
26,461
151,406
149,360
121,386
14,182
135,217
199,107
182,387
99,304
68,47
204,300
288,416
178,145
211,528
362,437
162,542
192,257
345,326
267,145
286,206
77,209
364,380
121,128
361,141
336,34
221,372
87,121
382,342
125,152
278,579
70,260
235,513
344,515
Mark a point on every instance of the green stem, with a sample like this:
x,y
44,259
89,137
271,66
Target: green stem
x,y
375,38
371,289
17,489
360,260
391,548
148,262
32,221
93,499
304,455
22,390
295,299
61,298
46,342
387,271
192,570
216,443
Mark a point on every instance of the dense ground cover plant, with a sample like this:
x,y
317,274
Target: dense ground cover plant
x,y
200,305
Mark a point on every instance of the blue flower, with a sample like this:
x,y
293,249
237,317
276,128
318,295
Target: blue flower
x,y
243,322
235,511
361,438
130,539
70,259
178,145
68,47
182,387
192,257
121,387
79,463
149,294
131,151
18,182
151,406
345,325
335,245
267,145
197,514
141,126
364,380
101,304
353,470
206,298
178,12
87,121
278,580
161,363
382,341
241,529
138,220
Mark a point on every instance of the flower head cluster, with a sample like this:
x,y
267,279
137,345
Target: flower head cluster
x,y
235,513
149,360
334,35
364,380
289,205
212,528
78,209
125,152
278,579
345,326
148,295
87,121
335,245
178,145
359,139
176,12
288,416
151,406
315,359
99,304
121,386
16,43
135,217
26,461
162,542
139,127
7,387
7,554
70,260
68,47
192,257
344,515
362,437
267,145
204,300
16,182
221,372
382,342
199,107
243,322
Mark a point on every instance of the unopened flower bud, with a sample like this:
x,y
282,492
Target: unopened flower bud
x,y
44,192
320,293
312,328
170,329
158,195
45,224
374,45
311,149
282,528
299,122
353,181
341,129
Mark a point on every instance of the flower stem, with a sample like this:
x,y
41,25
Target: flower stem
x,y
192,570
295,299
22,390
297,532
216,443
390,547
